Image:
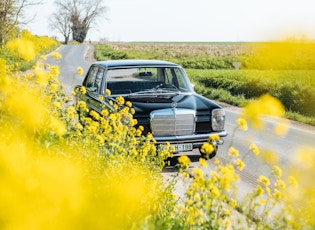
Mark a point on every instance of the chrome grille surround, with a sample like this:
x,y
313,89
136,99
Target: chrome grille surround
x,y
170,122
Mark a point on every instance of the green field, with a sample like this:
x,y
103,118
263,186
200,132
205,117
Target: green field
x,y
284,70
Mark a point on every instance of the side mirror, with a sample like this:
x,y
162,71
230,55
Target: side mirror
x,y
93,89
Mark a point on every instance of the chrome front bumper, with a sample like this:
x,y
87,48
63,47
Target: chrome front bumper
x,y
196,140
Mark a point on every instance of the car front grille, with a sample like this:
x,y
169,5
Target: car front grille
x,y
169,122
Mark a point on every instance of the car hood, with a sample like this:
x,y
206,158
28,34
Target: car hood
x,y
145,105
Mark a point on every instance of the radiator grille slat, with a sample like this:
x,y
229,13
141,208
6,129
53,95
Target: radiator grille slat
x,y
167,122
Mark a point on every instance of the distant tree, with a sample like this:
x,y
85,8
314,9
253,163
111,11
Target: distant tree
x,y
81,15
12,16
60,22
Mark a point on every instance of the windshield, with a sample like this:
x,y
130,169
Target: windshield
x,y
147,80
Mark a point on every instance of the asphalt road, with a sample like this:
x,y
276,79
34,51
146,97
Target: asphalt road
x,y
73,56
298,136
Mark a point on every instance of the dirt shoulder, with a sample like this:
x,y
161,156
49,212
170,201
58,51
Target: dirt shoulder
x,y
89,55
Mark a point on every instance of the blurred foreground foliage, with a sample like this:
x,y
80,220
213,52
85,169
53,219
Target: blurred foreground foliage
x,y
21,53
64,166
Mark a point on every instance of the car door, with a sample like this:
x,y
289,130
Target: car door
x,y
93,85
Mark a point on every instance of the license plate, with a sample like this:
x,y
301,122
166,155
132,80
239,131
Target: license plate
x,y
183,147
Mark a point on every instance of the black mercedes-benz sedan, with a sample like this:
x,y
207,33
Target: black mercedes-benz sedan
x,y
164,100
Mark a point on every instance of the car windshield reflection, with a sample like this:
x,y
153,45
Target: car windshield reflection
x,y
147,80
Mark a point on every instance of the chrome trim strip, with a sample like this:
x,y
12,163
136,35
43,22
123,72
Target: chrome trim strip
x,y
189,138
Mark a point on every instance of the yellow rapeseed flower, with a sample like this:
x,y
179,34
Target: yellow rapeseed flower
x,y
265,105
53,87
128,103
42,76
305,157
254,149
226,212
3,67
259,191
215,191
264,180
277,194
232,203
54,70
203,162
80,70
293,182
242,124
197,172
280,184
57,126
207,148
239,164
216,161
184,161
276,171
214,138
104,113
81,106
95,115
270,157
227,176
120,100
43,57
233,151
57,104
282,127
79,126
227,224
108,92
56,55
23,48
83,90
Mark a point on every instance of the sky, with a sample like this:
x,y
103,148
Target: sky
x,y
194,20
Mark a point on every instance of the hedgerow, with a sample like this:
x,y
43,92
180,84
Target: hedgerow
x,y
293,88
105,52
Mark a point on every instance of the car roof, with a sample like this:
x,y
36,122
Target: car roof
x,y
134,63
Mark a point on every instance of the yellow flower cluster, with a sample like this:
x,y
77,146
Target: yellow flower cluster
x,y
28,46
22,48
242,124
207,148
208,194
82,161
80,70
265,105
254,148
184,161
56,55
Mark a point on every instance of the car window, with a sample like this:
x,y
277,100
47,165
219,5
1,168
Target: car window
x,y
174,76
131,80
91,77
98,79
177,76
